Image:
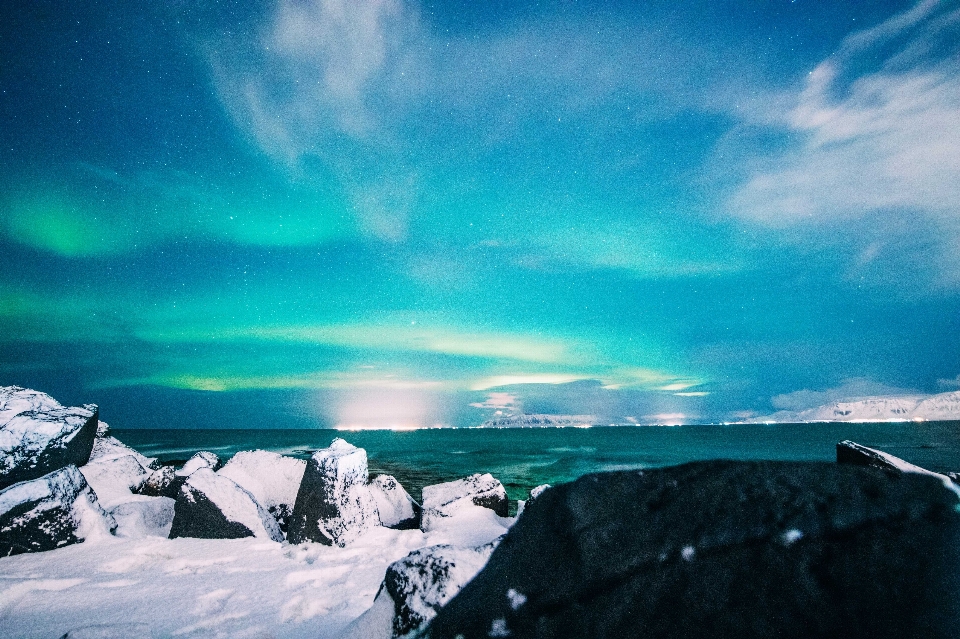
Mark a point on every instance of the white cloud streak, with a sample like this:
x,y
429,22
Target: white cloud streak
x,y
882,145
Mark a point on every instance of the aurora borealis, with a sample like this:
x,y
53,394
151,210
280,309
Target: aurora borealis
x,y
412,213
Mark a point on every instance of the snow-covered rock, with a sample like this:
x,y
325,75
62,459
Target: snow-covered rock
x,y
534,493
899,408
396,507
334,504
108,447
144,517
270,477
426,579
203,459
38,435
52,511
849,452
443,500
162,482
210,506
114,479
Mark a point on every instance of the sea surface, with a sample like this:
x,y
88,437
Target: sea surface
x,y
523,458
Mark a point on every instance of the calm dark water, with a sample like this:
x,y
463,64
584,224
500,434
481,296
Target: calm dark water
x,y
522,458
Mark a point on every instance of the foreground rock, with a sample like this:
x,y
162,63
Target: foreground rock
x,y
444,500
271,478
213,507
426,579
723,549
396,507
39,436
334,504
108,447
53,511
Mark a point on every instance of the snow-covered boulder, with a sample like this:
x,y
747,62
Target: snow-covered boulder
x,y
108,447
334,504
444,500
114,479
270,477
203,459
426,579
162,482
396,507
213,507
52,511
144,517
38,435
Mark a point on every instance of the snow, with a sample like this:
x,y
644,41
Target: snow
x,y
110,448
234,502
393,502
185,587
143,516
270,477
203,459
114,479
907,467
446,499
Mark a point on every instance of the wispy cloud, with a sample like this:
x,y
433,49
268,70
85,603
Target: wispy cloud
x,y
874,142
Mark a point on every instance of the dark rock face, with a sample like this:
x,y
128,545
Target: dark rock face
x,y
163,482
213,507
420,583
46,513
334,503
723,549
38,435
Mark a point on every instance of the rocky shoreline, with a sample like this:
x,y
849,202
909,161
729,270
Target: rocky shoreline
x,y
867,547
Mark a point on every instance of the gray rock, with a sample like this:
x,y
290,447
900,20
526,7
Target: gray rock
x,y
144,517
444,500
162,482
213,507
53,511
38,435
334,503
723,549
427,578
108,447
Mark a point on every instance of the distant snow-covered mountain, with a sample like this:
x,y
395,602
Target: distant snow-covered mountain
x,y
528,421
900,408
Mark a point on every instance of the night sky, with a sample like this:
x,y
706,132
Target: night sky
x,y
401,213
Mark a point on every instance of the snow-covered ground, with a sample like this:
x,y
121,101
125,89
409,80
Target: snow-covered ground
x,y
239,588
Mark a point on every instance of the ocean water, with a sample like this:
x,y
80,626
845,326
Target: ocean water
x,y
523,458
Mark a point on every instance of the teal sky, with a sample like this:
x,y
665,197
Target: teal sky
x,y
401,213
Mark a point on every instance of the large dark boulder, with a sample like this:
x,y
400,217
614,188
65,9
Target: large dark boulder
x,y
38,435
49,512
213,507
162,482
723,549
334,503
